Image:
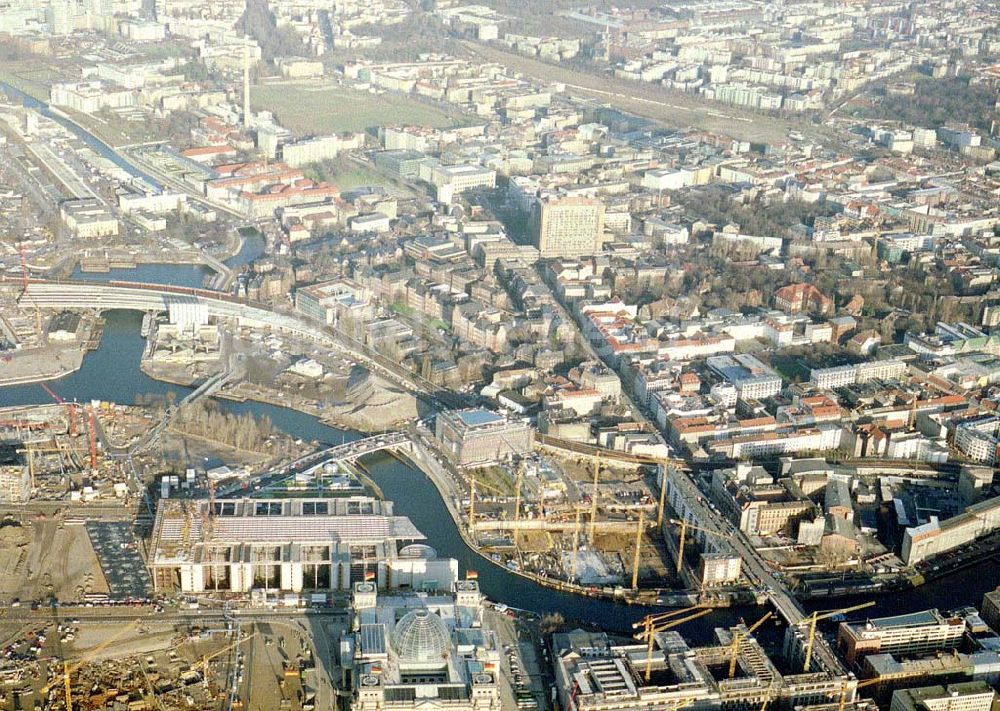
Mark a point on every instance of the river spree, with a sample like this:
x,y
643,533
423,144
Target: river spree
x,y
112,373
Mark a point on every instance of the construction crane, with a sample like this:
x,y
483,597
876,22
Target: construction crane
x,y
871,682
593,502
816,617
70,407
30,449
472,498
576,544
663,494
92,427
24,289
68,670
208,657
683,523
517,499
738,638
638,548
651,624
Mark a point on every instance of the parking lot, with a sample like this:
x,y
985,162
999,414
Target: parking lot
x,y
117,550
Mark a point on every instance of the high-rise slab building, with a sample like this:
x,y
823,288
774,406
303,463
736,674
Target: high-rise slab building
x,y
568,226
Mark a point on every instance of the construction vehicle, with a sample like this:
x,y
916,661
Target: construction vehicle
x,y
823,615
685,525
739,637
660,622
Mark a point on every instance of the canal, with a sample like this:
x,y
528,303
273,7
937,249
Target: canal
x,y
111,372
92,141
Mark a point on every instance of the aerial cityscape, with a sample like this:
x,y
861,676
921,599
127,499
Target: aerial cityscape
x,y
495,355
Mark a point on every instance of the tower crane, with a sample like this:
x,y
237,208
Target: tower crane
x,y
685,525
472,497
738,638
815,617
663,493
69,669
870,682
208,657
517,498
24,290
593,501
638,548
651,624
576,544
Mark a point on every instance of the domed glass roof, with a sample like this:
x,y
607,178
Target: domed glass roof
x,y
421,636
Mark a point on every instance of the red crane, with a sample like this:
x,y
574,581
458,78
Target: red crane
x,y
70,407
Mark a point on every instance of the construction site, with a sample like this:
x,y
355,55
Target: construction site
x,y
598,527
154,661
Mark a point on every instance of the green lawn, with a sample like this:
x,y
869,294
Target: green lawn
x,y
356,178
313,109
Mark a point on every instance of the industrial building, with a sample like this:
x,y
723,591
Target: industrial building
x,y
290,545
421,651
477,437
912,634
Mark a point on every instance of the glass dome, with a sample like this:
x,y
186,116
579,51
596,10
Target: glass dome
x,y
421,636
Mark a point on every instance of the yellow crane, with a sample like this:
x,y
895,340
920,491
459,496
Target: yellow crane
x,y
638,548
683,523
67,669
474,483
576,543
651,624
816,617
32,448
663,493
517,499
208,657
593,501
870,682
738,638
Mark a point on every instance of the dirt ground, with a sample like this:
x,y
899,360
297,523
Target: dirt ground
x,y
193,451
122,640
14,542
60,561
534,541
